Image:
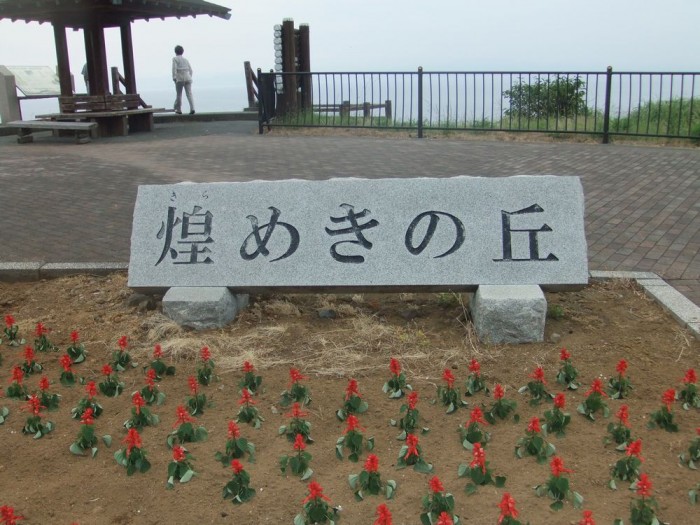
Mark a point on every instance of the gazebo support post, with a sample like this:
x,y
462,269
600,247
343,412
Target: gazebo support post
x,y
62,60
128,57
97,57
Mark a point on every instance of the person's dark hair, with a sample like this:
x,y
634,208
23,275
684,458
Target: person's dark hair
x,y
179,50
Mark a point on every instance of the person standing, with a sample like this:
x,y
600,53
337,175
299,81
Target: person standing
x,y
182,76
86,78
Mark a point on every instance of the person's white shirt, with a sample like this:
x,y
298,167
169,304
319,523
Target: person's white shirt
x,y
182,71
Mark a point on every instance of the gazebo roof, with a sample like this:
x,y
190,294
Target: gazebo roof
x,y
77,13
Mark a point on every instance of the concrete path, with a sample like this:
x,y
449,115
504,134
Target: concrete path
x,y
62,202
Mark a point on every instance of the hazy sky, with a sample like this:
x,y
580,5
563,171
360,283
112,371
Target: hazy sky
x,y
392,35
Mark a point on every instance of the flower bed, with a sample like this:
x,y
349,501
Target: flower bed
x,y
608,324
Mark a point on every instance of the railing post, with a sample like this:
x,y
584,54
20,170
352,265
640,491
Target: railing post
x,y
606,114
420,102
261,87
387,110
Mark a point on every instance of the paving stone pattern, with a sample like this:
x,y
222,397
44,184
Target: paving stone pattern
x,y
63,202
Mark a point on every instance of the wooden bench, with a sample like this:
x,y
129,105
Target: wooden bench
x,y
25,127
115,115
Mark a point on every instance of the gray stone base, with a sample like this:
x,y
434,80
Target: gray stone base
x,y
509,314
203,308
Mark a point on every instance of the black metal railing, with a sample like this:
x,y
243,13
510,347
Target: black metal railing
x,y
599,103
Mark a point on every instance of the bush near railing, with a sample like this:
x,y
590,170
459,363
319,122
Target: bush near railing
x,y
547,97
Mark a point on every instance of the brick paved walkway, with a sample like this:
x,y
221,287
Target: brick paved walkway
x,y
62,202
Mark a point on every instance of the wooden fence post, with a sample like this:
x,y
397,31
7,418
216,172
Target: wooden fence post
x,y
250,85
289,66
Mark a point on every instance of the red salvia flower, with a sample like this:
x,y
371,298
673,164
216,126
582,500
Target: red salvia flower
x,y
621,367
123,342
236,466
412,400
9,321
17,375
597,388
194,386
87,417
623,415
587,518
66,362
690,377
668,398
44,383
412,444
383,515
534,425
436,485
644,486
8,516
138,401
395,366
564,354
41,330
353,424
479,455
315,492
182,415
371,463
299,443
507,506
248,367
498,392
295,376
246,398
538,375
107,370
559,401
448,378
477,416
74,336
132,440
475,367
351,389
205,354
151,378
557,467
635,449
233,431
444,519
179,454
34,405
297,412
91,389
157,352
28,354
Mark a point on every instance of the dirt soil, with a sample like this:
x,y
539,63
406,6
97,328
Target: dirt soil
x,y
601,324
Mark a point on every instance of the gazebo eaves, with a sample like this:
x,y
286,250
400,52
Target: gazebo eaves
x,y
76,13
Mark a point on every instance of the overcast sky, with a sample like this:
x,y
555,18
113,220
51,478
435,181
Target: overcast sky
x,y
393,35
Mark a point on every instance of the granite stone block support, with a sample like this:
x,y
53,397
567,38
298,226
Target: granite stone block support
x,y
202,308
509,314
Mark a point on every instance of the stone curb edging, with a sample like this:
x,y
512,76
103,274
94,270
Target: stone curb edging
x,y
682,309
35,271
